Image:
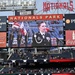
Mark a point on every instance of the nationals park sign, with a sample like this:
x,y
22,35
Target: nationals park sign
x,y
47,6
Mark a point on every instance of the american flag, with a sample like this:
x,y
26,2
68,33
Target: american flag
x,y
23,29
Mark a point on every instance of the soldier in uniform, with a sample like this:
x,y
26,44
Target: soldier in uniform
x,y
19,37
24,33
26,39
11,36
42,38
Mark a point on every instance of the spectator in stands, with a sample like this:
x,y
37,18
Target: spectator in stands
x,y
42,38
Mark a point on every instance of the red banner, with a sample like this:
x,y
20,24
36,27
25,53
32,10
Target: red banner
x,y
70,37
62,60
36,17
63,74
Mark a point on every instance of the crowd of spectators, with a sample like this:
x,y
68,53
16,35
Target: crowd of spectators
x,y
14,70
30,54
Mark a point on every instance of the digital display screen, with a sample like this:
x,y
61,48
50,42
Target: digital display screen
x,y
3,23
27,31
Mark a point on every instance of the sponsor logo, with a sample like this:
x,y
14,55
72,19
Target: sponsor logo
x,y
67,21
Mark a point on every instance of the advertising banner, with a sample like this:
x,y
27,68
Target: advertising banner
x,y
69,21
70,37
2,39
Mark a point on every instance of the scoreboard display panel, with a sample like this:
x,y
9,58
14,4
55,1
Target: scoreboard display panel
x,y
22,31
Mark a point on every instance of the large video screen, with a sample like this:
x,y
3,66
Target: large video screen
x,y
36,31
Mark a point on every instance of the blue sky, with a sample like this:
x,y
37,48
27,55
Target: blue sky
x,y
39,6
